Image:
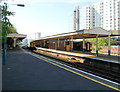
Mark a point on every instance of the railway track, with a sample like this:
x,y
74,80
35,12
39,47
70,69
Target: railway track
x,y
111,75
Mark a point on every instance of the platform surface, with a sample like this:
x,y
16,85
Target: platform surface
x,y
24,71
114,59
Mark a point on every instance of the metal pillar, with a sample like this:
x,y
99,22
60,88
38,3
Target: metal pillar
x,y
4,33
83,44
109,47
5,22
97,45
71,43
4,49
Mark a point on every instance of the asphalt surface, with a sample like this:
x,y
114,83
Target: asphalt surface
x,y
26,72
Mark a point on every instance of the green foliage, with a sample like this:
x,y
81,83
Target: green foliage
x,y
93,49
99,48
92,40
7,27
11,29
113,41
102,41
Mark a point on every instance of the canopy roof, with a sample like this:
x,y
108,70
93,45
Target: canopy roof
x,y
16,35
85,33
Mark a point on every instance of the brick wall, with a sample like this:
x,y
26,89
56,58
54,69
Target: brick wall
x,y
114,49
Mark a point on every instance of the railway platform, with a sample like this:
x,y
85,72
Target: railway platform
x,y
103,57
26,71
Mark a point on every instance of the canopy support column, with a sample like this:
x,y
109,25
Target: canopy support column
x,y
97,45
55,45
44,43
83,44
109,47
64,44
14,42
71,43
58,43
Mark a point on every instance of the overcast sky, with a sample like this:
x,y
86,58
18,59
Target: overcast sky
x,y
46,16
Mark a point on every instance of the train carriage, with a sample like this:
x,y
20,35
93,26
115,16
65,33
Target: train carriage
x,y
63,45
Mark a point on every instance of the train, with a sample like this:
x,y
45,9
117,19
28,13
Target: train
x,y
79,46
63,45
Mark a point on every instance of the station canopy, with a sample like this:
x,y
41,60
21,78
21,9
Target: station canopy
x,y
85,33
16,35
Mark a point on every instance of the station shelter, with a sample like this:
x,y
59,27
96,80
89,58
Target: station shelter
x,y
79,34
14,38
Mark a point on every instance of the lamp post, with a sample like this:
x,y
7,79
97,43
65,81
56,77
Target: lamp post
x,y
4,30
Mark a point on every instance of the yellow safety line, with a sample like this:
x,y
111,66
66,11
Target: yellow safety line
x,y
80,74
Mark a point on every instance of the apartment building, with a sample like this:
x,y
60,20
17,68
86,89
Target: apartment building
x,y
37,35
105,14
